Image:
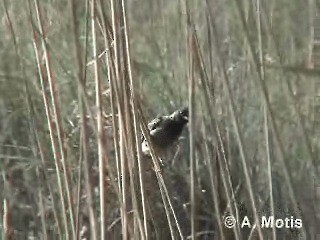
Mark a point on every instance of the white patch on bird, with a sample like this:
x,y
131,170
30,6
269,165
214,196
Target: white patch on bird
x,y
145,148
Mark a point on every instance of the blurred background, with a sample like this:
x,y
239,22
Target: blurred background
x,y
79,80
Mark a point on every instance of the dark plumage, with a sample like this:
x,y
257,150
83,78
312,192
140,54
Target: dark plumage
x,y
165,130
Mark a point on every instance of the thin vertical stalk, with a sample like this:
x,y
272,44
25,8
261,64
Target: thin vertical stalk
x,y
101,157
7,219
113,97
42,157
56,114
214,191
123,179
225,181
266,129
112,80
81,78
165,203
191,143
191,85
121,170
135,124
79,191
166,192
53,144
311,32
6,212
42,210
259,24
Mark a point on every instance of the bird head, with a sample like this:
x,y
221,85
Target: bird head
x,y
181,115
184,113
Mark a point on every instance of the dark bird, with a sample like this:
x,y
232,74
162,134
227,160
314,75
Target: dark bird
x,y
165,130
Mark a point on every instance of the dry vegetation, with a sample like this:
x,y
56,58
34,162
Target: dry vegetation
x,y
80,79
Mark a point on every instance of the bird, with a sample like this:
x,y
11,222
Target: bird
x,y
165,130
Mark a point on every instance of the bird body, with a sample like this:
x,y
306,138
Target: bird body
x,y
165,130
